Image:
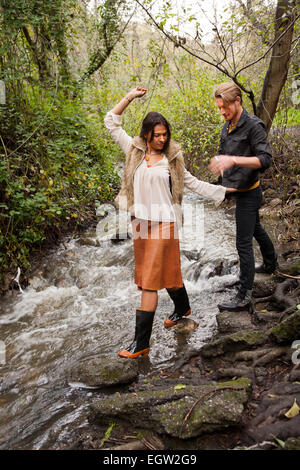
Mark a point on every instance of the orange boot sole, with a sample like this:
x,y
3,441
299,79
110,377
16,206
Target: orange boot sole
x,y
168,323
127,354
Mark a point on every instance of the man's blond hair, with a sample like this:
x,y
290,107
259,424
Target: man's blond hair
x,y
229,92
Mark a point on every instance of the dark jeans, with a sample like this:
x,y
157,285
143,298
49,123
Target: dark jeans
x,y
248,226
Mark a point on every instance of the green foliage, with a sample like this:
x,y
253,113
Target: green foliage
x,y
287,117
52,179
55,165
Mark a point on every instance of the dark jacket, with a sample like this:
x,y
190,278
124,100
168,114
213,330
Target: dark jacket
x,y
248,139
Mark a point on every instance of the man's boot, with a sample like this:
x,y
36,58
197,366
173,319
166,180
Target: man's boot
x,y
242,301
143,330
267,267
182,306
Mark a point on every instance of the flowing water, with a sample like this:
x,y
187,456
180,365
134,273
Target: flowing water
x,y
81,302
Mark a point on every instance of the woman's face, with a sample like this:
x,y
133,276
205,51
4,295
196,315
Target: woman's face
x,y
160,137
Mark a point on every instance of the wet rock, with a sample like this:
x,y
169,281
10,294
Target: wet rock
x,y
268,317
100,372
193,254
185,325
294,268
234,342
215,269
207,268
229,322
288,330
88,241
264,285
38,283
122,259
218,407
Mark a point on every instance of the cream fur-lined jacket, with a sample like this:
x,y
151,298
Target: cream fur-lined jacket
x,y
135,149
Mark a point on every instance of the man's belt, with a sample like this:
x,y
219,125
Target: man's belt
x,y
255,185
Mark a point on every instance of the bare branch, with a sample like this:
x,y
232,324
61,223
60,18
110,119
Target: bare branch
x,y
177,43
213,64
271,47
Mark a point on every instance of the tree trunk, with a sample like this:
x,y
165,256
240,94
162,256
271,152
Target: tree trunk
x,y
109,33
38,55
279,63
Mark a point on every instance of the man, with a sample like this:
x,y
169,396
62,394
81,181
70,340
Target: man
x,y
244,152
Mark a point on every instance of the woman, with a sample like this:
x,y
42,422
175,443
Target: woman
x,y
152,190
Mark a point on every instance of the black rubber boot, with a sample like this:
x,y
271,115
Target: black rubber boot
x,y
242,301
143,330
182,306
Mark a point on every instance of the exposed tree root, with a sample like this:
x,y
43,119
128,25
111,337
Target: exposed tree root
x,y
285,296
287,275
274,353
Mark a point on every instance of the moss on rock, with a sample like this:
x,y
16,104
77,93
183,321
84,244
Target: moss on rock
x,y
215,406
288,330
234,341
101,372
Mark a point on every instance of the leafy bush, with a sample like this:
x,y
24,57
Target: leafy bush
x,y
50,174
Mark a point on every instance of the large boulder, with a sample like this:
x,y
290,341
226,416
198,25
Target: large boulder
x,y
210,407
264,285
101,372
230,323
288,330
244,339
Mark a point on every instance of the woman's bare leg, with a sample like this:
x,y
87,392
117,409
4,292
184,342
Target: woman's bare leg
x,y
149,300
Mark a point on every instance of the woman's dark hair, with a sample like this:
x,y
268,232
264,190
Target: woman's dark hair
x,y
151,120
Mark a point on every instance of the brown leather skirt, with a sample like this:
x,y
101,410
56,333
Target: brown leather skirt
x,y
156,255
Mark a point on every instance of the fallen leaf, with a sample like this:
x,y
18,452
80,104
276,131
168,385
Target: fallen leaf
x,y
293,411
179,387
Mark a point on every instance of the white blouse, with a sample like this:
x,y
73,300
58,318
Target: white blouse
x,y
152,195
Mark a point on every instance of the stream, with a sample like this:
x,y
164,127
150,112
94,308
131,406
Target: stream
x,y
81,302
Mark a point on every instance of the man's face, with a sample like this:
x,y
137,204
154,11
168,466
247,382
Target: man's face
x,y
229,111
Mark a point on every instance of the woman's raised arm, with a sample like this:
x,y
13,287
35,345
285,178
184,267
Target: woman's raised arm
x,y
122,105
113,119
